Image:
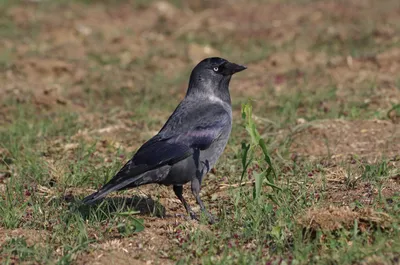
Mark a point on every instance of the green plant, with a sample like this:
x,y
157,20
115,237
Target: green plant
x,y
264,173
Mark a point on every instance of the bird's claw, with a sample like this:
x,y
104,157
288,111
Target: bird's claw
x,y
210,217
193,216
188,217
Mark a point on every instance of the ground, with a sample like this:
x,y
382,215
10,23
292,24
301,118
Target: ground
x,y
85,83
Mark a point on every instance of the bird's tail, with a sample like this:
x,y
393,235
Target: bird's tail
x,y
109,187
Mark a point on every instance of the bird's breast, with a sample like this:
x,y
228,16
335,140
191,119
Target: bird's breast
x,y
211,155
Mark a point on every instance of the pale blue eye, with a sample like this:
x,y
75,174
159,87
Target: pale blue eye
x,y
215,69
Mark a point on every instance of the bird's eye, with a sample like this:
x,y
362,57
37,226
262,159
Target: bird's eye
x,y
215,69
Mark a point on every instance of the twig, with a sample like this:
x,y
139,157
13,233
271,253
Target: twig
x,y
236,185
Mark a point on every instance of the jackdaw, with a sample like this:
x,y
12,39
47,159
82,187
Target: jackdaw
x,y
190,142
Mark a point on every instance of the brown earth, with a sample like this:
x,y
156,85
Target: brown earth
x,y
339,139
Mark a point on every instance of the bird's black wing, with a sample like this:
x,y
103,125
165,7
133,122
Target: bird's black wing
x,y
183,132
159,151
153,154
172,146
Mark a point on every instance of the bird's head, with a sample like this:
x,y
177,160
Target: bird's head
x,y
212,76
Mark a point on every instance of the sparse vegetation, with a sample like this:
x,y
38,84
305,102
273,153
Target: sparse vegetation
x,y
311,173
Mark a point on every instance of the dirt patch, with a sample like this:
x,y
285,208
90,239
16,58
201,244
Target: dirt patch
x,y
338,138
370,78
147,247
334,218
364,193
353,184
31,236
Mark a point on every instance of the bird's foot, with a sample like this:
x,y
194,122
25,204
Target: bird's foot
x,y
188,217
193,216
211,218
208,216
185,217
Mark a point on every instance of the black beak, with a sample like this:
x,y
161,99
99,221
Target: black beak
x,y
232,68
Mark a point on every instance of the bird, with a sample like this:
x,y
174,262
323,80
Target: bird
x,y
190,142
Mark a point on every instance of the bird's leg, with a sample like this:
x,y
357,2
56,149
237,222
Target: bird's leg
x,y
196,193
178,192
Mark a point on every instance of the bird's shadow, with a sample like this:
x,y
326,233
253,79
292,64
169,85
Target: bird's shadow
x,y
136,205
